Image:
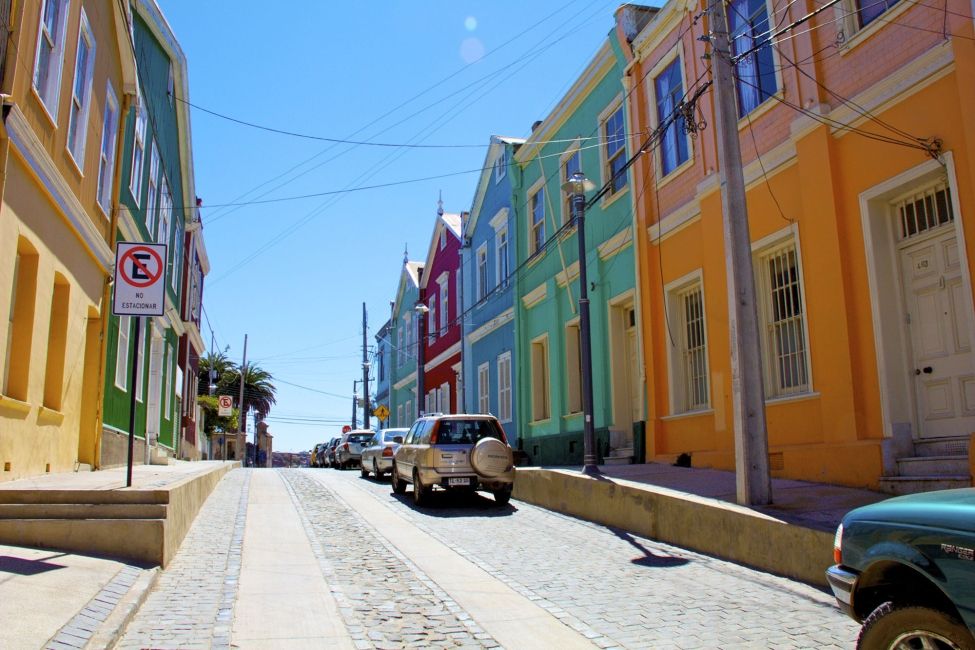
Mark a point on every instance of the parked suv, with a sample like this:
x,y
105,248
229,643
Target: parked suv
x,y
454,452
348,451
905,568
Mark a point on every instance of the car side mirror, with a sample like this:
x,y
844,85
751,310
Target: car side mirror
x,y
398,439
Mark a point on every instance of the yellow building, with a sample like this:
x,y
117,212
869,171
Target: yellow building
x,y
68,79
857,143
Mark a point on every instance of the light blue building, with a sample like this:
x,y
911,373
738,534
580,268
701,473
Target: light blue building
x,y
487,271
380,368
403,341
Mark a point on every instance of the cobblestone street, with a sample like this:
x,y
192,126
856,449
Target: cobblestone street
x,y
602,587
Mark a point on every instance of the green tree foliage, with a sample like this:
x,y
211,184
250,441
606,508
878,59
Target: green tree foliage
x,y
259,389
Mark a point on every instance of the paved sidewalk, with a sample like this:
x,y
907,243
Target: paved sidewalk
x,y
143,477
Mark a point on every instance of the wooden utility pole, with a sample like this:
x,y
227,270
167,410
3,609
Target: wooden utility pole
x,y
754,484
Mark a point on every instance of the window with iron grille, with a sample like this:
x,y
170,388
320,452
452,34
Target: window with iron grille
x,y
783,313
694,394
922,211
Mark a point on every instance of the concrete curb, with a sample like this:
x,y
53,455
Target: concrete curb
x,y
114,626
710,526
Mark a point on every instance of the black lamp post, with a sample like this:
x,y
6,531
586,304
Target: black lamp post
x,y
576,188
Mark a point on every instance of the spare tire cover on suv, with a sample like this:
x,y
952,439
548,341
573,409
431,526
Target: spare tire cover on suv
x,y
491,457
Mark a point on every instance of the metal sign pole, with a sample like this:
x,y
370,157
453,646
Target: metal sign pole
x,y
134,380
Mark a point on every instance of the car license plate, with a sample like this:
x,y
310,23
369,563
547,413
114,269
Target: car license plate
x,y
458,481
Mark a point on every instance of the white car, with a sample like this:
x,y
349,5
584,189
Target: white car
x,y
377,455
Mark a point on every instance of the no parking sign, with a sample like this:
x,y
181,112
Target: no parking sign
x,y
140,279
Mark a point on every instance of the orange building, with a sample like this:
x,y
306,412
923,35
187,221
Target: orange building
x,y
857,148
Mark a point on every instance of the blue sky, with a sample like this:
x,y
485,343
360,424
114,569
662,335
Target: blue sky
x,y
293,274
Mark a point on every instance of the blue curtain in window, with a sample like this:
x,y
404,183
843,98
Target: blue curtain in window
x,y
749,25
673,143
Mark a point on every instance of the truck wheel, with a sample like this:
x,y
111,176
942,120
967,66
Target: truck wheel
x,y
399,485
502,496
910,626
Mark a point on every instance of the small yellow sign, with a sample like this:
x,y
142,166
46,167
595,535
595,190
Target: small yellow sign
x,y
381,412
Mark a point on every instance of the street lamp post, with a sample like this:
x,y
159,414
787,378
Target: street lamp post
x,y
421,312
576,188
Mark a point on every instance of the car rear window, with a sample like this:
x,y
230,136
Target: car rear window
x,y
360,437
389,435
467,432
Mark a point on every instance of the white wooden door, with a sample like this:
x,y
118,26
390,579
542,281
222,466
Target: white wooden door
x,y
938,321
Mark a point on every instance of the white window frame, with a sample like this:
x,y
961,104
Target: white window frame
x,y
443,396
50,93
177,245
106,160
443,238
676,53
679,357
444,282
152,196
164,231
484,388
502,267
501,166
122,353
504,387
399,415
541,380
138,150
410,416
432,318
409,337
536,190
604,161
482,271
762,250
80,105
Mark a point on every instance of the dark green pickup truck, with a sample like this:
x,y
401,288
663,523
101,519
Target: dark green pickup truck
x,y
905,568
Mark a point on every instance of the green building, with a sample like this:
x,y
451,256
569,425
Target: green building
x,y
585,132
156,188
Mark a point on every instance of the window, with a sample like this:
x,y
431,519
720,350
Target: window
x,y
50,54
784,343
614,138
165,213
170,85
482,272
138,150
748,22
669,90
122,352
432,319
106,159
536,236
483,388
690,363
573,367
868,10
399,415
444,302
140,355
570,165
20,325
81,93
399,345
409,337
151,203
410,415
443,239
445,398
504,387
500,166
170,376
922,211
57,337
540,381
177,251
430,401
501,266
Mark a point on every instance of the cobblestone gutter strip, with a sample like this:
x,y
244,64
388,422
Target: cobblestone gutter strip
x,y
192,605
384,599
79,631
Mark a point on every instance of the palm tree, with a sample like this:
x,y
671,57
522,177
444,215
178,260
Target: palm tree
x,y
258,390
223,371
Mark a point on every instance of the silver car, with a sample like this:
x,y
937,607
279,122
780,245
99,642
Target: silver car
x,y
454,452
349,448
377,457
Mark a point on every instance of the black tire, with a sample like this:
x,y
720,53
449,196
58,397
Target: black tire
x,y
375,470
420,493
363,471
891,625
399,485
502,496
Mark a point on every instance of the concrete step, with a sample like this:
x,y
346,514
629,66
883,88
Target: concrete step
x,y
899,485
88,497
82,511
141,539
955,446
933,466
